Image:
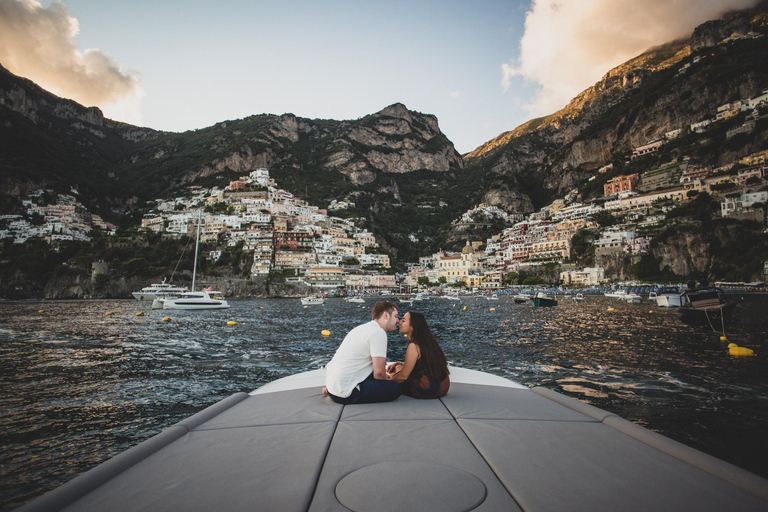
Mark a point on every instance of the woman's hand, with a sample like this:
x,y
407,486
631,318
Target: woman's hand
x,y
393,368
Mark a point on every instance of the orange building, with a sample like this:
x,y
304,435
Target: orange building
x,y
620,184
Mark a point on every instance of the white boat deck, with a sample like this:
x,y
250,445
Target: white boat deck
x,y
490,444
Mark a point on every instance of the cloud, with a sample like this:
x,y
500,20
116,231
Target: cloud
x,y
568,45
38,43
455,94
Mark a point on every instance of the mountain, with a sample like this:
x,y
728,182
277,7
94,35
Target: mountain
x,y
633,103
391,159
404,175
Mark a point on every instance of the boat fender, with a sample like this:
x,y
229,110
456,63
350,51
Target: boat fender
x,y
166,319
231,323
325,332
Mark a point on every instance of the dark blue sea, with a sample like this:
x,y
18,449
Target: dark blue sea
x,y
80,386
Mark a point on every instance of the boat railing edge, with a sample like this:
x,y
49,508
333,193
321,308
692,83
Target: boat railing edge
x,y
578,406
724,470
73,490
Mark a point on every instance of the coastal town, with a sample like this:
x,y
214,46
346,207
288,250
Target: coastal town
x,y
329,252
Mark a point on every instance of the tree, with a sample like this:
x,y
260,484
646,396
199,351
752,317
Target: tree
x,y
442,280
511,278
604,218
533,280
424,281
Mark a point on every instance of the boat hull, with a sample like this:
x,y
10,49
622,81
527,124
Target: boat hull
x,y
716,316
544,302
192,305
287,447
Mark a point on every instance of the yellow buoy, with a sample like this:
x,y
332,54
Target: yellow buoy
x,y
140,313
732,345
41,311
741,351
231,322
611,309
723,338
325,332
465,308
305,307
166,319
261,307
108,313
243,323
493,309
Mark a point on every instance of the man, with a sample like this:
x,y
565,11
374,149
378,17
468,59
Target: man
x,y
357,374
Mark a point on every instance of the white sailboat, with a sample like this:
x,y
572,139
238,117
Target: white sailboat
x,y
192,300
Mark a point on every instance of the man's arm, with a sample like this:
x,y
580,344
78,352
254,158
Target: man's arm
x,y
380,368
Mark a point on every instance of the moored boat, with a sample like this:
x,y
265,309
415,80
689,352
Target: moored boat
x,y
632,298
205,299
543,300
706,306
669,297
192,300
158,290
501,445
312,301
579,297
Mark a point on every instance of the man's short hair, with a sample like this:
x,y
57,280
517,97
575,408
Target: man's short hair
x,y
382,307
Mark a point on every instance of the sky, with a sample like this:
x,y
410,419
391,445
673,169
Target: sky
x,y
482,67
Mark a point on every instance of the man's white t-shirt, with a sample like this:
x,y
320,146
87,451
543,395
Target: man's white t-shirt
x,y
352,363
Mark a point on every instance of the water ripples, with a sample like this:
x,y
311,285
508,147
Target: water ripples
x,y
80,386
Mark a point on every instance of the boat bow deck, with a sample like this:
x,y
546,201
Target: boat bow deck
x,y
490,444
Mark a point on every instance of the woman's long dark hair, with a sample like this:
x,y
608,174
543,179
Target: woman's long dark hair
x,y
432,356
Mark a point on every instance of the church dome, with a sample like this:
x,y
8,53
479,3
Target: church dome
x,y
467,249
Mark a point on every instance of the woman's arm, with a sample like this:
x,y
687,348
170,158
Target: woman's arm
x,y
411,356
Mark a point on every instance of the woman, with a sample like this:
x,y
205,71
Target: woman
x,y
424,374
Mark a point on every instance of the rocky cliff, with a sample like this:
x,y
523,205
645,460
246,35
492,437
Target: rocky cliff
x,y
664,89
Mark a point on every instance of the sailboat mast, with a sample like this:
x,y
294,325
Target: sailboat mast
x,y
197,245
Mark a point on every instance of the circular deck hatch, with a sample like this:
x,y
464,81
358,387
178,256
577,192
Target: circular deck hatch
x,y
412,486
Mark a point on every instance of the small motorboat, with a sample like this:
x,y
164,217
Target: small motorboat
x,y
632,298
356,300
669,297
312,301
579,297
706,306
543,300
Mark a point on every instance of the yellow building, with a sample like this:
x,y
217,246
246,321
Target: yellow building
x,y
457,267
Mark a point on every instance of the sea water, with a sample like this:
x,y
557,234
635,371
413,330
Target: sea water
x,y
85,380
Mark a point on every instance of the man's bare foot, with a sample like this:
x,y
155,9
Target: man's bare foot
x,y
325,391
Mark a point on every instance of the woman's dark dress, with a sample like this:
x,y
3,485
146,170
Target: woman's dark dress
x,y
420,384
